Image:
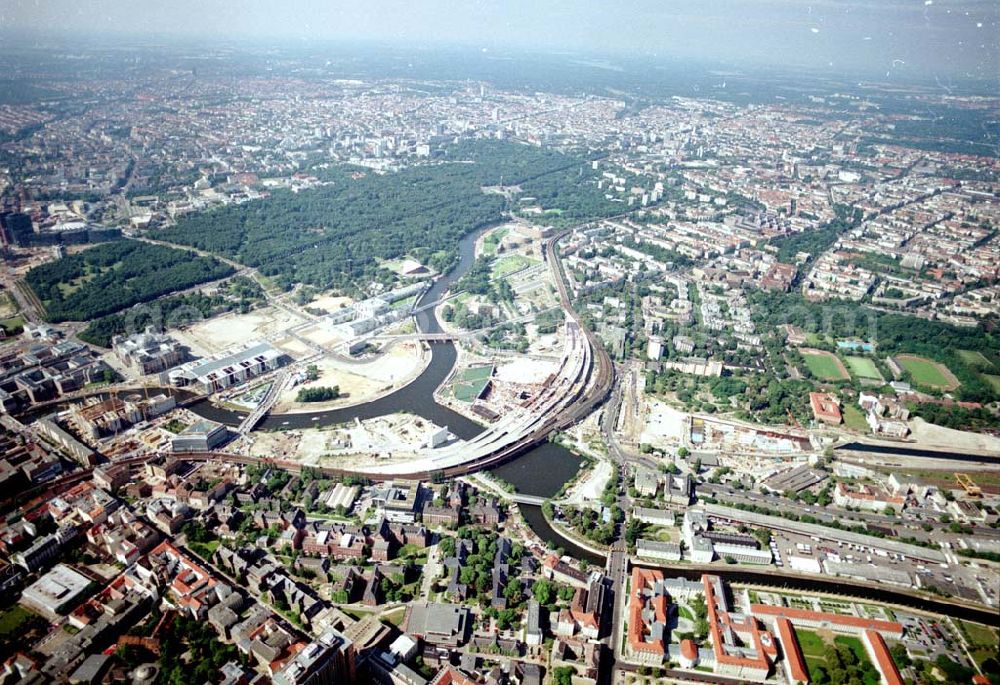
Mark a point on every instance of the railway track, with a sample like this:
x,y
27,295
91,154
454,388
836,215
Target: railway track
x,y
590,393
602,370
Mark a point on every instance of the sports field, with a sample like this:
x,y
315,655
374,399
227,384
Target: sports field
x,y
928,373
511,263
825,365
863,367
469,384
976,360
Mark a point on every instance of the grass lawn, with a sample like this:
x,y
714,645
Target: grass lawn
x,y
469,384
479,373
926,372
395,617
8,305
859,651
405,303
982,640
67,288
825,365
205,549
811,643
356,613
993,380
12,619
268,284
20,627
662,534
812,647
491,241
864,368
684,612
12,325
510,264
975,359
854,644
816,339
946,479
419,554
854,419
466,392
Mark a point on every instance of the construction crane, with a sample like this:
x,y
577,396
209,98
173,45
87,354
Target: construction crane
x,y
969,485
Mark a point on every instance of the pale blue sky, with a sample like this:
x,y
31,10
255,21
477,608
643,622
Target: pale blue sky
x,y
953,37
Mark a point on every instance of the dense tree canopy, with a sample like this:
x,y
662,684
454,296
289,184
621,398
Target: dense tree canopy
x,y
240,294
893,333
335,235
112,276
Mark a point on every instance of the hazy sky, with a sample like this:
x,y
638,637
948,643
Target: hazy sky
x,y
947,37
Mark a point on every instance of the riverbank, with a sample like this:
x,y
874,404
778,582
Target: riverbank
x,y
770,579
574,539
359,383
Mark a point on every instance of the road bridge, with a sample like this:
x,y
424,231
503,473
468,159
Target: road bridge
x,y
262,408
459,335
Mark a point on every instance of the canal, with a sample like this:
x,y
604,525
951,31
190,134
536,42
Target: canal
x,y
903,451
819,584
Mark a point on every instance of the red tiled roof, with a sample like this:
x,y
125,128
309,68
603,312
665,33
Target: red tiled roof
x,y
824,406
689,650
884,662
762,639
636,626
804,614
449,675
793,653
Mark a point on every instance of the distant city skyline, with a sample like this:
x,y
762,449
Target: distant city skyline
x,y
912,39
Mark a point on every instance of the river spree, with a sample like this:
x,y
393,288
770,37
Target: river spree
x,y
540,471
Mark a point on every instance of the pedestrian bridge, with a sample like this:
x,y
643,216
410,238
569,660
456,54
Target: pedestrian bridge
x,y
485,483
526,499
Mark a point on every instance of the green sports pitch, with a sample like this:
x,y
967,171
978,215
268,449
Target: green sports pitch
x,y
470,383
928,373
825,365
862,367
976,360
